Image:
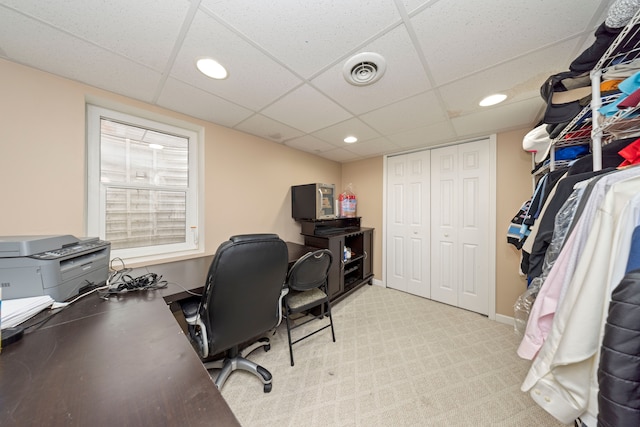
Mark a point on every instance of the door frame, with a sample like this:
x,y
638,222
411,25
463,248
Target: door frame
x,y
492,214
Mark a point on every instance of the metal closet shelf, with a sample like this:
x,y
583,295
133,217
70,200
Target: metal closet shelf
x,y
590,126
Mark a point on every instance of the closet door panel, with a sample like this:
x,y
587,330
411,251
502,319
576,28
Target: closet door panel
x,y
408,208
417,282
396,276
473,231
469,263
444,225
396,223
417,233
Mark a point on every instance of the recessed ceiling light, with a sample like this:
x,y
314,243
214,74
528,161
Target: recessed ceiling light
x,y
350,139
493,100
211,68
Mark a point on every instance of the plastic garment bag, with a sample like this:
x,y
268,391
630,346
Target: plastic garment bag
x,y
562,224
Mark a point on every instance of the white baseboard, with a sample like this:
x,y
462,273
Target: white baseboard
x,y
505,319
501,318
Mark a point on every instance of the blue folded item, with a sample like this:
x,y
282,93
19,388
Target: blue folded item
x,y
571,153
627,87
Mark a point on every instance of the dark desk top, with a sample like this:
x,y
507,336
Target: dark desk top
x,y
124,361
121,361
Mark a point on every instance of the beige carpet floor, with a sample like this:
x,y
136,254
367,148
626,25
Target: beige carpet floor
x,y
398,360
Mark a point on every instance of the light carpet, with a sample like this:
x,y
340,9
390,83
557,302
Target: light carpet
x,y
398,360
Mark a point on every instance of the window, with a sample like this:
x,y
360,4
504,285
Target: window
x,y
142,185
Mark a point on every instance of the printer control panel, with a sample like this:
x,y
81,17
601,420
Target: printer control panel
x,y
72,249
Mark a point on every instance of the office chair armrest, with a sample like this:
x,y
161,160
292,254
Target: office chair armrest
x,y
190,310
197,330
283,293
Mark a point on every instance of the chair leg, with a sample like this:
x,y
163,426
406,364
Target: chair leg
x,y
235,361
227,368
319,317
289,336
333,333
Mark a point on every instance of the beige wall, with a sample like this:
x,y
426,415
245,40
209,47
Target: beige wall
x,y
514,187
367,179
42,164
247,179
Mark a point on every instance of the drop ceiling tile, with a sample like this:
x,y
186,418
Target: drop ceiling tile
x,y
372,147
307,36
254,80
404,76
340,155
143,30
517,115
519,79
272,49
418,111
480,37
425,136
310,144
59,53
195,102
306,109
336,134
268,128
411,5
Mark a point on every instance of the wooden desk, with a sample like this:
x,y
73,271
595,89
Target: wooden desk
x,y
121,361
124,361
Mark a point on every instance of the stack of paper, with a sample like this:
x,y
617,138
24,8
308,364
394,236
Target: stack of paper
x,y
16,311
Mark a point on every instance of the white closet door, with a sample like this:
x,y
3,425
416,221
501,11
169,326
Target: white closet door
x,y
460,225
474,226
444,225
408,223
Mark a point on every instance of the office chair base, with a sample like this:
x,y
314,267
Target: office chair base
x,y
236,361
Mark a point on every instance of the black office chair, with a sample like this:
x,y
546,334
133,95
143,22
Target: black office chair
x,y
307,283
241,301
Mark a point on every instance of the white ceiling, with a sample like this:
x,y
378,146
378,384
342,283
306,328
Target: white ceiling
x,y
285,60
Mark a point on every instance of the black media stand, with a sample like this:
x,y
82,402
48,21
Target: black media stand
x,y
345,275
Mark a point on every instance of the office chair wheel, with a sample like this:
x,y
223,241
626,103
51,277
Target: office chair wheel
x,y
267,347
267,388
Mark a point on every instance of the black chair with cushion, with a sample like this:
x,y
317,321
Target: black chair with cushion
x,y
307,290
241,301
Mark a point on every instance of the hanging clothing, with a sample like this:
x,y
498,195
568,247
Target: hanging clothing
x,y
562,378
544,307
542,316
580,170
619,368
545,226
517,232
633,263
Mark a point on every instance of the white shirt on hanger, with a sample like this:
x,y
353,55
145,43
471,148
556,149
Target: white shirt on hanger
x,y
561,379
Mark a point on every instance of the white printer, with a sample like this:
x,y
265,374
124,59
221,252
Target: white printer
x,y
58,266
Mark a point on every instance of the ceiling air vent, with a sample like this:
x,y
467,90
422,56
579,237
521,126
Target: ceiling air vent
x,y
364,69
